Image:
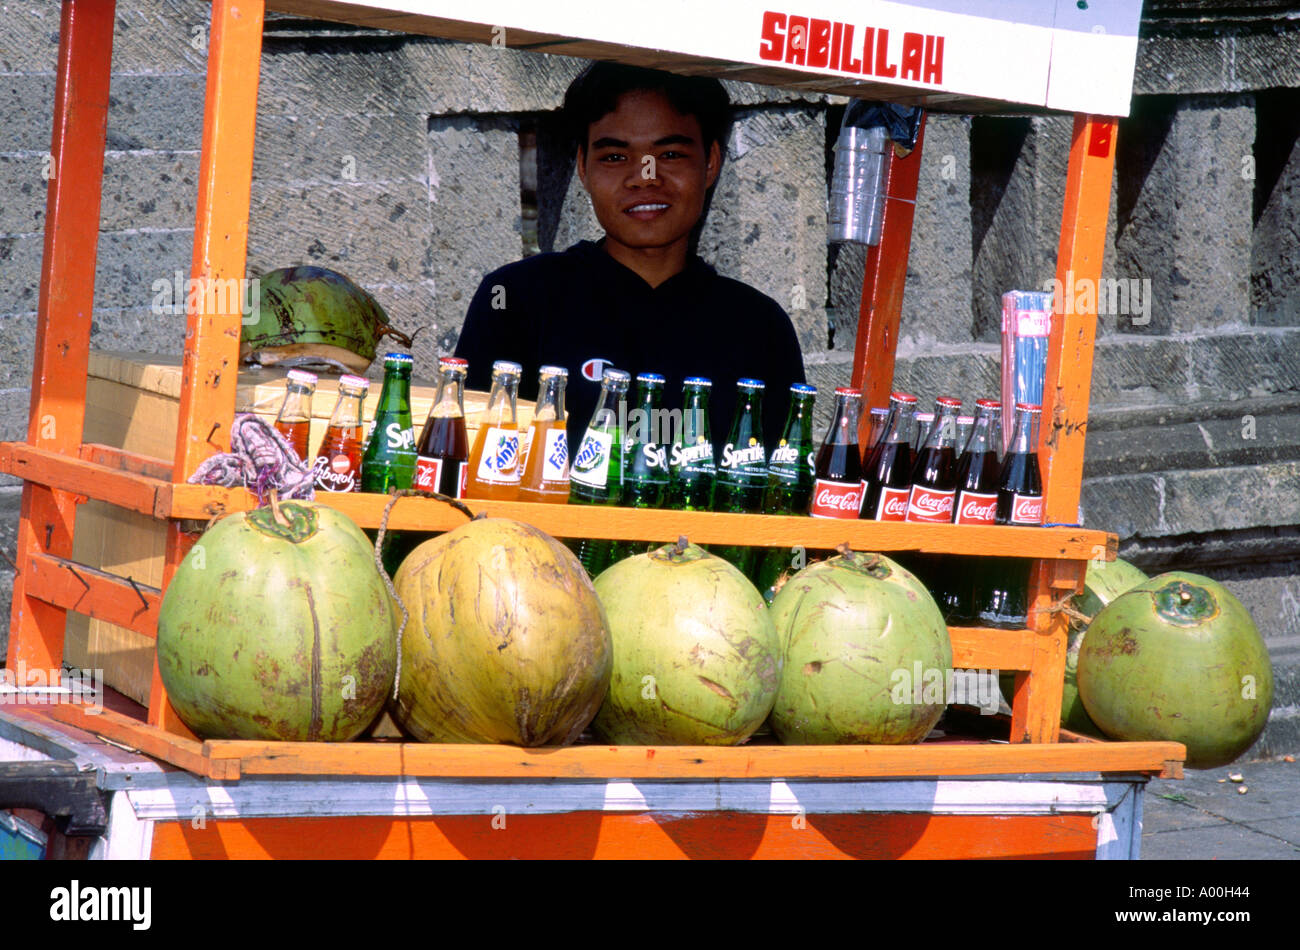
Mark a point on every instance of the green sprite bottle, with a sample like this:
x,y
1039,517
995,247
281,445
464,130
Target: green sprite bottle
x,y
692,469
742,469
790,477
596,471
390,458
645,457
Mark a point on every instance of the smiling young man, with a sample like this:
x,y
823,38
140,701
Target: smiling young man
x,y
649,148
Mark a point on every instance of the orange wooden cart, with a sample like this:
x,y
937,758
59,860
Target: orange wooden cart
x,y
1044,793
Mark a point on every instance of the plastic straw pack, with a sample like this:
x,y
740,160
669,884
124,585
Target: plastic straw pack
x,y
1026,323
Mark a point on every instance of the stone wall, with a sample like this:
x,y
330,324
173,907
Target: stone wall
x,y
399,161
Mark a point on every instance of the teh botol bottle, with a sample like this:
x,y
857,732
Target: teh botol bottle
x,y
442,457
1005,598
294,419
338,460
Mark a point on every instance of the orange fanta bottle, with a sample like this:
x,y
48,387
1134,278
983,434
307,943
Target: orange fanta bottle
x,y
494,461
546,447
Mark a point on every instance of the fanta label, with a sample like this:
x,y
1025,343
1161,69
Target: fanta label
x,y
500,461
591,463
836,499
892,505
976,508
928,506
555,464
1027,509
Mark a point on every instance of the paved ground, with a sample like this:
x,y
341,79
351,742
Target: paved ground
x,y
1204,816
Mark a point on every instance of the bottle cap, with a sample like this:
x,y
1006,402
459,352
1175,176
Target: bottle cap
x,y
505,366
616,376
453,361
398,358
1028,407
697,381
553,371
302,376
906,398
649,378
988,404
848,391
948,402
803,389
748,383
355,382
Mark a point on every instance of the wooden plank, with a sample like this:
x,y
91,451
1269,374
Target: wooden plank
x,y
881,305
49,467
88,590
177,750
64,307
1074,320
600,835
125,461
687,762
211,364
987,648
704,527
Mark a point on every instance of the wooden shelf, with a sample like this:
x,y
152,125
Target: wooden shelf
x,y
230,760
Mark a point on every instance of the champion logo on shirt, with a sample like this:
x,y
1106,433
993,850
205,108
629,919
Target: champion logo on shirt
x,y
594,368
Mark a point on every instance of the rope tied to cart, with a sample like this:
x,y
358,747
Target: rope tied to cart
x,y
396,494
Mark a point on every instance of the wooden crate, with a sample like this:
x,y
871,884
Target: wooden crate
x,y
133,403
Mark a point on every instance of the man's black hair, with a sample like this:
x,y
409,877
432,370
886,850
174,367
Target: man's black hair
x,y
595,92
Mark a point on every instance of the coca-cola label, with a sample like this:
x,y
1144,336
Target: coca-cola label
x,y
500,460
555,464
428,473
929,505
976,508
1027,509
836,499
892,505
591,462
335,473
463,484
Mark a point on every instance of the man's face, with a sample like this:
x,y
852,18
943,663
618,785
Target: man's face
x,y
647,171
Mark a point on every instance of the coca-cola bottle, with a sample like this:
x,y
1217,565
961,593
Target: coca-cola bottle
x,y
338,460
924,423
877,428
976,503
442,457
934,476
889,466
1005,598
837,486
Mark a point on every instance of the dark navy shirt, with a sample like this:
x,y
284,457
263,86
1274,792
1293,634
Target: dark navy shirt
x,y
583,310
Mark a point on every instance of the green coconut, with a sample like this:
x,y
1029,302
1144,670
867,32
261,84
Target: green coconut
x,y
506,641
696,658
315,312
277,625
866,654
1178,658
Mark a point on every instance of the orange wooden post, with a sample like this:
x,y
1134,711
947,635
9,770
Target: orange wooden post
x,y
882,285
207,401
1065,406
64,313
